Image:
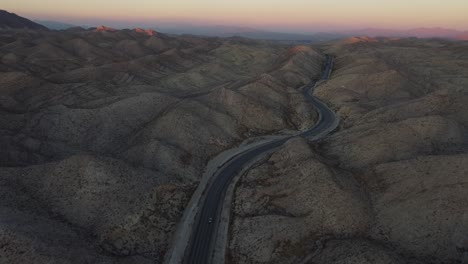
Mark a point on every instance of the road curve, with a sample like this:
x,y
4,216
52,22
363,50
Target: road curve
x,y
200,248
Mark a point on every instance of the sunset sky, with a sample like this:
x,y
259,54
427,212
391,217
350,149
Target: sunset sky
x,y
294,15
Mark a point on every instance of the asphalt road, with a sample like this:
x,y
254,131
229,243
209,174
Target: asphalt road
x,y
201,246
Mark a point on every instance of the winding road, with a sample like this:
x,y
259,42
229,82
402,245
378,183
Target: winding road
x,y
201,244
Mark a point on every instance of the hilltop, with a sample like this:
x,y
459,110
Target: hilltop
x,y
13,21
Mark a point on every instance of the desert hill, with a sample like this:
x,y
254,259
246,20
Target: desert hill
x,y
389,186
12,21
105,133
104,29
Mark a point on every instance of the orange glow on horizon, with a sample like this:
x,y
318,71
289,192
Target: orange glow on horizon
x,y
293,13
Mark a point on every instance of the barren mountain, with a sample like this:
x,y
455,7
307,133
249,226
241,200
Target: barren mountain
x,y
13,21
390,186
105,133
104,29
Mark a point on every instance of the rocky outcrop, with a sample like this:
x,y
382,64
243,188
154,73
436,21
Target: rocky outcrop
x,y
356,251
291,200
82,198
420,205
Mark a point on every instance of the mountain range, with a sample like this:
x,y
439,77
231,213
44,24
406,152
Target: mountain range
x,y
55,25
10,20
435,32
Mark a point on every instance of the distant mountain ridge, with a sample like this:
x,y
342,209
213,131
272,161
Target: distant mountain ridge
x,y
435,32
221,31
13,21
104,29
55,25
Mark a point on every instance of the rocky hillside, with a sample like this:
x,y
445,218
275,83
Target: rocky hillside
x,y
390,186
12,21
105,133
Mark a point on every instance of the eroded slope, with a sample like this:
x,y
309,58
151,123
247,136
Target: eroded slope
x,y
402,145
108,132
